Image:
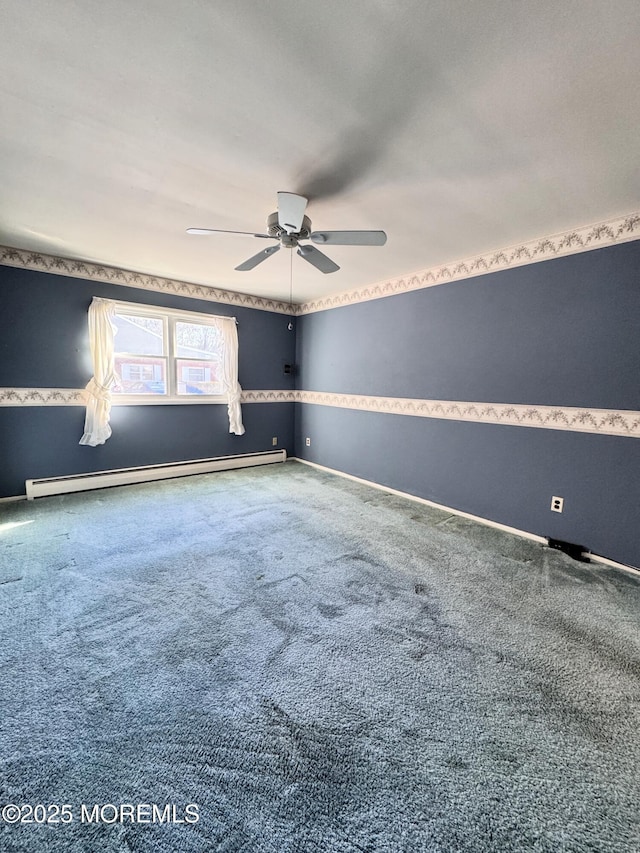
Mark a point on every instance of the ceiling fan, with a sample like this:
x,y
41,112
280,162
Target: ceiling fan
x,y
289,225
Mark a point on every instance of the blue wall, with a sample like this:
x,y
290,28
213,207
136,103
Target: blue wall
x,y
44,344
562,332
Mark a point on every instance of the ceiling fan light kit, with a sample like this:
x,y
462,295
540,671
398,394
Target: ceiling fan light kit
x,y
289,225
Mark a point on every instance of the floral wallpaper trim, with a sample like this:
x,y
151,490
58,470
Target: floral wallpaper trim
x,y
613,231
621,422
42,397
112,275
601,421
608,233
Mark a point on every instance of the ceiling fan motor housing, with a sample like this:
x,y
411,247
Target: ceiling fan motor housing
x,y
274,229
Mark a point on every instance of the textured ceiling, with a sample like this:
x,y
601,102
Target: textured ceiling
x,y
457,127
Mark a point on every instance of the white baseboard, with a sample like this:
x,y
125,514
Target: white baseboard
x,y
148,473
605,561
486,521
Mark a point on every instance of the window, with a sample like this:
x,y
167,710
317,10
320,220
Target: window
x,y
168,355
199,355
142,354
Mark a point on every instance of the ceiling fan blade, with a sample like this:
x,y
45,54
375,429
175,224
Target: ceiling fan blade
x,y
258,259
291,208
349,238
317,258
220,231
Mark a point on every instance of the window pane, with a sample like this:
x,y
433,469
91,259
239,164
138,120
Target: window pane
x,y
139,375
195,340
140,335
198,377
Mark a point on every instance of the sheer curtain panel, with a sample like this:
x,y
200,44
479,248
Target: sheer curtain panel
x,y
230,375
101,333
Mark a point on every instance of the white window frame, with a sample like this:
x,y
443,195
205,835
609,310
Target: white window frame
x,y
169,316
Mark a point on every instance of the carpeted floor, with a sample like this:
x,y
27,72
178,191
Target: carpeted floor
x,y
318,666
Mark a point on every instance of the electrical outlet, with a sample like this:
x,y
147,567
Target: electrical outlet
x,y
557,504
274,441
308,442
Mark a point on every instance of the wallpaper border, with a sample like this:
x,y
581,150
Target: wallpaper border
x,y
42,397
18,397
608,233
621,422
24,259
618,422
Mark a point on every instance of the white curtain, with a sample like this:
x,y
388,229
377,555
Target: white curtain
x,y
230,374
101,333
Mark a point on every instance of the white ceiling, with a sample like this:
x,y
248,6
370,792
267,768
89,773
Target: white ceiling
x,y
456,126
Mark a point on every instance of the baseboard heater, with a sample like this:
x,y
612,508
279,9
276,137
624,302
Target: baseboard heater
x,y
147,473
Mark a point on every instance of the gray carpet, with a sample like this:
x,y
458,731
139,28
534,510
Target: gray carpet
x,y
318,666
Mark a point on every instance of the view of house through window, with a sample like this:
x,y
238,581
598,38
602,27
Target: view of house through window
x,y
161,353
199,352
